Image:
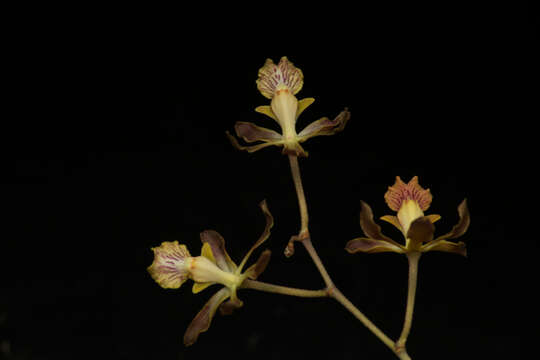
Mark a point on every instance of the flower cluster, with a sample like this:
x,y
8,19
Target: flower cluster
x,y
173,265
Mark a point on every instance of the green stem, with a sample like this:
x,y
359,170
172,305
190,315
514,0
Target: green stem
x,y
403,355
318,263
331,290
295,170
413,257
284,290
336,294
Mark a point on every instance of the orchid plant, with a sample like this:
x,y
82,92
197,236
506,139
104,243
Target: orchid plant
x,y
173,264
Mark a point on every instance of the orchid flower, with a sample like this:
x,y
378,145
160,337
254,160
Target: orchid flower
x,y
173,265
280,83
410,201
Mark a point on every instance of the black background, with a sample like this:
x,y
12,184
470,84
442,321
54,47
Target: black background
x,y
116,142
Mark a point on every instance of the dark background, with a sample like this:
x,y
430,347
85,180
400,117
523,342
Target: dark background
x,y
116,142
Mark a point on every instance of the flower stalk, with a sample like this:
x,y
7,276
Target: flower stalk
x,y
413,258
297,178
331,289
283,290
342,299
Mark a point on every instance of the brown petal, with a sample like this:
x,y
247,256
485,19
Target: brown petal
x,y
217,243
446,246
252,148
202,321
229,306
266,232
421,231
269,224
325,126
256,269
463,223
370,227
251,132
372,246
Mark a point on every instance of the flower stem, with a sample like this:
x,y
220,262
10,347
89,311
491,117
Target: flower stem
x,y
284,290
295,170
331,290
413,276
403,355
336,294
318,263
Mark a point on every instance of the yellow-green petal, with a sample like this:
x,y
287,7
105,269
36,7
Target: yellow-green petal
x,y
206,251
198,287
266,110
303,104
433,217
392,220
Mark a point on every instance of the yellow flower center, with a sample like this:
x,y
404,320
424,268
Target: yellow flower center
x,y
408,212
204,270
284,105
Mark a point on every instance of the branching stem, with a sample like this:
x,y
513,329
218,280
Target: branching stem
x,y
331,290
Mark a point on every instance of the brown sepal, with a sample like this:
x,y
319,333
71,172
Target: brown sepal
x,y
462,225
370,227
217,244
325,126
266,232
203,319
446,246
249,149
251,132
269,224
420,232
228,307
371,246
262,262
